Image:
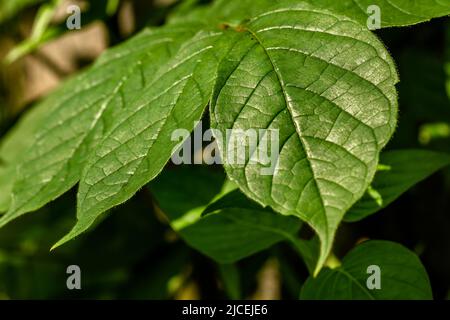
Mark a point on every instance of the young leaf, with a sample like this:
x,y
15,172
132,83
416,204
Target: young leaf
x,y
374,270
404,168
140,143
231,228
83,110
327,84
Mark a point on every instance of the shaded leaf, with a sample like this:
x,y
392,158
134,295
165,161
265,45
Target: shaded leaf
x,y
231,280
402,170
402,275
231,228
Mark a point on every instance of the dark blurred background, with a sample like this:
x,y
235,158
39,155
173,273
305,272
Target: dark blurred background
x,y
133,253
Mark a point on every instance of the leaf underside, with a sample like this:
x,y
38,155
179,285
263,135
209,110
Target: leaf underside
x,y
327,85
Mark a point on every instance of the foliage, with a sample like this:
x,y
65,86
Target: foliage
x,y
310,69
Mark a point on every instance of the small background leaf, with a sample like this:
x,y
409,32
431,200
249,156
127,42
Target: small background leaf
x,y
232,226
402,275
404,169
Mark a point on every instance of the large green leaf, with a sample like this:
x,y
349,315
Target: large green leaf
x,y
6,175
78,115
222,224
327,84
18,140
392,12
22,136
401,170
402,275
139,144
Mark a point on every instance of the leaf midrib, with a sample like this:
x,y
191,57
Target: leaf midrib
x,y
342,271
297,129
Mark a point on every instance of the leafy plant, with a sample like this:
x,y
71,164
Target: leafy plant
x,y
310,69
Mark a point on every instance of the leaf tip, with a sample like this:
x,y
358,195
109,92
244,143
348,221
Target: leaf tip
x,y
60,243
318,268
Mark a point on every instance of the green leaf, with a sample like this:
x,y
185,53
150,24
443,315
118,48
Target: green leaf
x,y
231,228
6,175
139,144
393,12
84,109
238,11
14,145
22,135
327,84
235,232
231,280
402,170
402,276
183,193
